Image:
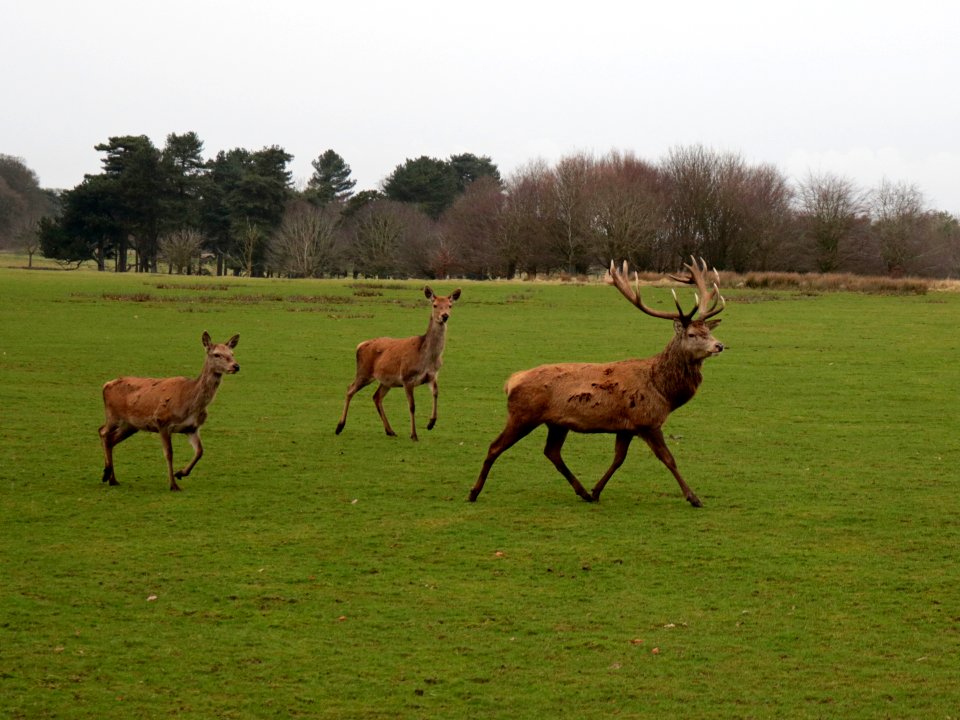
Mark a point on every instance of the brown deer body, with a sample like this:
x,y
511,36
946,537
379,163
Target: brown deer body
x,y
403,362
165,406
628,398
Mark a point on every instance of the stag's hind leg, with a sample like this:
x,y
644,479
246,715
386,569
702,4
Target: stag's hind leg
x,y
356,386
620,448
654,438
556,436
110,436
511,434
378,396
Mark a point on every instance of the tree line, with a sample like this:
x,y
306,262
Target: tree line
x,y
170,209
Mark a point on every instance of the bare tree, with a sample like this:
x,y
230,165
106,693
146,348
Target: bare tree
x,y
628,208
901,227
523,246
307,243
570,216
180,248
473,229
768,226
831,216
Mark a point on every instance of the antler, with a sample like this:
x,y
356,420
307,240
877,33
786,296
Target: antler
x,y
707,299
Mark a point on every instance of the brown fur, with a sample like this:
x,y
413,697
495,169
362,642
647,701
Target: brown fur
x,y
627,398
403,362
164,406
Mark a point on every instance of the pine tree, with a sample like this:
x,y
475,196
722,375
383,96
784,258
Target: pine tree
x,y
330,180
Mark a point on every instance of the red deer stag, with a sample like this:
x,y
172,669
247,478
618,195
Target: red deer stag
x,y
164,406
406,362
626,398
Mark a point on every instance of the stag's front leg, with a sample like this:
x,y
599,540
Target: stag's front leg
x,y
194,439
556,436
436,391
620,448
654,438
378,396
168,454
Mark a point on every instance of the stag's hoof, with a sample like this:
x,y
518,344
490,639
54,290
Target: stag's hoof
x,y
694,501
433,421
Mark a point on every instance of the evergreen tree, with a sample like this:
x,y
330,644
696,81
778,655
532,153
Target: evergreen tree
x,y
330,180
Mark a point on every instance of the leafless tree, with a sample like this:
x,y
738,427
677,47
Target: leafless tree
x,y
768,227
831,215
523,246
570,212
628,208
472,228
393,239
180,249
307,243
901,227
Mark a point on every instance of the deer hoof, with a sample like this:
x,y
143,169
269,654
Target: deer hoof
x,y
339,428
433,421
694,501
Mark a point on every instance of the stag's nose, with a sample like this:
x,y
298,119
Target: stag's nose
x,y
718,347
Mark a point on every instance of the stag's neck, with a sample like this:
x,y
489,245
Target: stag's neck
x,y
676,375
433,341
206,386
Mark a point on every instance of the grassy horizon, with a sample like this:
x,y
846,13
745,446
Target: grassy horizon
x,y
303,574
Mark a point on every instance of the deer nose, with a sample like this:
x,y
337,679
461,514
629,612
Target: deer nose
x,y
236,367
719,347
444,317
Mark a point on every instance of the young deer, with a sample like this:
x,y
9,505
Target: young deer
x,y
627,398
406,362
164,406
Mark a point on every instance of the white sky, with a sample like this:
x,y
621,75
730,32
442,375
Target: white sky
x,y
867,90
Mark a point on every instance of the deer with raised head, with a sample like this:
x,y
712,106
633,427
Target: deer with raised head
x,y
628,398
165,406
404,362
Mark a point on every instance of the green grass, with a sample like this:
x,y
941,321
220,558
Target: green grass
x,y
302,574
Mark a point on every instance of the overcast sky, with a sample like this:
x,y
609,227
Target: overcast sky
x,y
866,90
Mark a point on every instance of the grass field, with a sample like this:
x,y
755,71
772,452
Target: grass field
x,y
303,574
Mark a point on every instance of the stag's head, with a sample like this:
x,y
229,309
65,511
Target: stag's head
x,y
694,329
220,358
441,304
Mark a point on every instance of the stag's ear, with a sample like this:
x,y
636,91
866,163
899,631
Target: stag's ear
x,y
711,324
206,339
428,293
455,295
678,327
232,342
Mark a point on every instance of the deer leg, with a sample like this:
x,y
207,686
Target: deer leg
x,y
355,387
511,434
110,436
654,438
194,439
433,416
556,436
168,454
408,389
620,448
381,391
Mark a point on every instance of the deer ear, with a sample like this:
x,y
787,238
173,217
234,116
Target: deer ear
x,y
205,339
455,295
232,342
678,327
428,293
711,324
